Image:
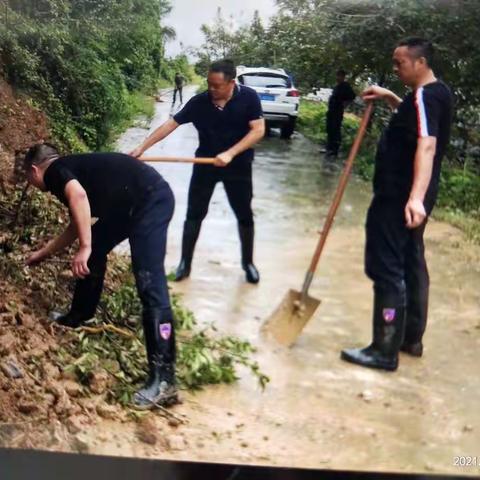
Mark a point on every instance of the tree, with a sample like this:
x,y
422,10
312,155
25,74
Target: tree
x,y
82,60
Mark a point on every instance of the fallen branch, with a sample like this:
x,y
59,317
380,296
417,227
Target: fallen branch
x,y
109,328
164,410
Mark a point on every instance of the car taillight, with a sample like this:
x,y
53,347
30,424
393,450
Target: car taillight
x,y
293,93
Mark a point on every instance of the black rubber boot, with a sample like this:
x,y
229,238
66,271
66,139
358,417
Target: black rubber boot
x,y
416,317
246,242
85,298
71,319
191,230
413,349
160,389
388,333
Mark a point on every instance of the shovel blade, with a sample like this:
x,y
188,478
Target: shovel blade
x,y
290,317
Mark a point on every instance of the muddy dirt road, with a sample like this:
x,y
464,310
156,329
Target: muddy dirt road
x,y
317,411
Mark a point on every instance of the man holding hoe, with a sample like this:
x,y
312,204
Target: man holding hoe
x,y
229,120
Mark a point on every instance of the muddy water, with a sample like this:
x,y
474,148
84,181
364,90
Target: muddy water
x,y
318,411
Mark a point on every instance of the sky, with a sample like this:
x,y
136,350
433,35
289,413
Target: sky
x,y
187,16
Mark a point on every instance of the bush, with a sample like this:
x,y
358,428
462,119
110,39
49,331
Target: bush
x,y
460,191
85,63
312,123
311,120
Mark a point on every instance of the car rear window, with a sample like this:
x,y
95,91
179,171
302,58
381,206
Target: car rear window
x,y
265,80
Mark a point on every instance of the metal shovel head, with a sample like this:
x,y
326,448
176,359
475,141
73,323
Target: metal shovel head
x,y
290,317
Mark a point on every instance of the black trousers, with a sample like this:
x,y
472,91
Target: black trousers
x,y
146,229
179,90
237,181
395,262
334,130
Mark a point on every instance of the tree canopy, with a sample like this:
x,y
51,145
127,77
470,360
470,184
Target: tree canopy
x,y
311,39
82,59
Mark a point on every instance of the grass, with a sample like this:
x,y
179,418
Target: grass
x,y
141,109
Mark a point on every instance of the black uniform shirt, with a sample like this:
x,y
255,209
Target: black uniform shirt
x,y
343,92
218,130
178,81
114,182
426,112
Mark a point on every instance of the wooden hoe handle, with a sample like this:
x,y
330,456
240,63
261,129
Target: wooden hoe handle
x,y
202,160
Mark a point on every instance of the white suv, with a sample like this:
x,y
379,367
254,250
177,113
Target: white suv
x,y
280,99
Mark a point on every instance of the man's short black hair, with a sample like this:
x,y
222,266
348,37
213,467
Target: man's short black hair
x,y
39,153
341,72
419,47
225,66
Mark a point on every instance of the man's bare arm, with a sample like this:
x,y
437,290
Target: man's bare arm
x,y
422,173
158,134
375,93
82,219
80,211
64,240
256,133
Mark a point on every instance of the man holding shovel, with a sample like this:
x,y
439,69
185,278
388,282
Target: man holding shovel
x,y
407,172
229,120
130,200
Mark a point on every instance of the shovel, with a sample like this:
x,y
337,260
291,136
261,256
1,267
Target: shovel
x,y
202,160
290,317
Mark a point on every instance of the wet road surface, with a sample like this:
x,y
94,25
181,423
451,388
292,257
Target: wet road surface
x,y
318,411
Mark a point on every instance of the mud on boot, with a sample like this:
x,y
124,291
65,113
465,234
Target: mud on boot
x,y
160,390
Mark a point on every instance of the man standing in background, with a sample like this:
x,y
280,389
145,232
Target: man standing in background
x,y
179,80
341,96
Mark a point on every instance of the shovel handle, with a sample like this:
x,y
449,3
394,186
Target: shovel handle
x,y
201,160
342,184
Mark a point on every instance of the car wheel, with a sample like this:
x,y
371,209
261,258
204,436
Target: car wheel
x,y
268,130
287,130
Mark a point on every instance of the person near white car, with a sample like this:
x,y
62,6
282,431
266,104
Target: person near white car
x,y
341,96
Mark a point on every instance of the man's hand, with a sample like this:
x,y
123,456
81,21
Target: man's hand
x,y
223,159
375,92
415,213
35,258
79,262
138,152
159,134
